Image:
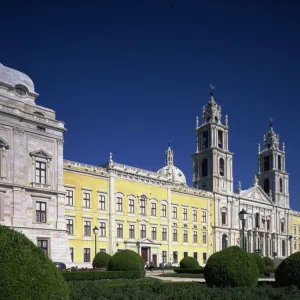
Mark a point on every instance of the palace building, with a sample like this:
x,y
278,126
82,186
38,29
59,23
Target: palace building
x,y
73,210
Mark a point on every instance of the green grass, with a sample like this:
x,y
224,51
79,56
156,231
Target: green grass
x,y
182,275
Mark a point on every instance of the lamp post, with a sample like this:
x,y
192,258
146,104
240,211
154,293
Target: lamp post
x,y
95,230
290,239
243,216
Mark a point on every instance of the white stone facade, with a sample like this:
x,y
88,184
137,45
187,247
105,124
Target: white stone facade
x,y
32,194
266,202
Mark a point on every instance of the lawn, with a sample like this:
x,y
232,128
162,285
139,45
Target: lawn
x,y
182,275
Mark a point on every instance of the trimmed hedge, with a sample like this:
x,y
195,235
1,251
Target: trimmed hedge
x,y
189,263
98,275
231,267
258,260
199,270
126,260
26,272
288,272
101,260
269,261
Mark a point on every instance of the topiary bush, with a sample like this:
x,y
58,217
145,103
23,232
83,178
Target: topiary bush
x,y
269,262
101,260
189,263
258,260
231,267
288,272
26,272
126,260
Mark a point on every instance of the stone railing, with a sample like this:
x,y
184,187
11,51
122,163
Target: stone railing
x,y
86,167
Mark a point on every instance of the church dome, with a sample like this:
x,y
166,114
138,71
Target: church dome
x,y
169,170
15,78
173,173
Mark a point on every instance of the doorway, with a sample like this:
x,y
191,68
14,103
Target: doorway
x,y
154,259
144,254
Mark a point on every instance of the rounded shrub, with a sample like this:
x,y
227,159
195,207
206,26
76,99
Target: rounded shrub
x,y
189,263
269,262
26,272
126,260
231,267
258,260
101,260
288,272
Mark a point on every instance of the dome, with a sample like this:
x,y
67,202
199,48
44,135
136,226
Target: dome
x,y
173,173
14,78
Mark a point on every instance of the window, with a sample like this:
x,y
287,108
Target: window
x,y
131,206
299,229
101,202
267,185
119,230
143,206
205,140
283,248
43,244
280,185
102,229
220,139
185,236
164,234
295,245
70,197
195,215
174,212
20,90
40,172
268,224
203,216
131,231
175,235
185,214
257,224
164,210
86,199
196,255
41,213
153,209
164,257
86,254
143,232
40,128
279,162
103,250
267,164
224,221
204,186
119,204
195,237
224,241
204,167
70,226
72,254
153,233
221,166
87,228
204,237
294,229
204,257
282,226
175,257
185,254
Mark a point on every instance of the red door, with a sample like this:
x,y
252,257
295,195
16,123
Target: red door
x,y
145,254
154,258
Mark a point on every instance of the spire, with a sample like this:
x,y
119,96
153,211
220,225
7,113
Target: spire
x,y
211,113
239,187
255,181
169,156
271,139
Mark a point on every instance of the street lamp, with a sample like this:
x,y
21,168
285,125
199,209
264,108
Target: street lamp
x,y
95,230
243,217
290,239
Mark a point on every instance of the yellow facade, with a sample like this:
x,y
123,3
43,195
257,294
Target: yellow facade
x,y
295,231
161,221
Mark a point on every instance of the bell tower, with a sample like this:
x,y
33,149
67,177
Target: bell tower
x,y
272,174
212,162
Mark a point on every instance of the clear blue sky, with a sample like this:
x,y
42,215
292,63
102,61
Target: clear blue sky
x,y
129,76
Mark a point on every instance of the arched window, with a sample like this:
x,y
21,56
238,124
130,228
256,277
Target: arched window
x,y
280,185
279,162
267,185
257,220
204,167
224,241
221,167
283,248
